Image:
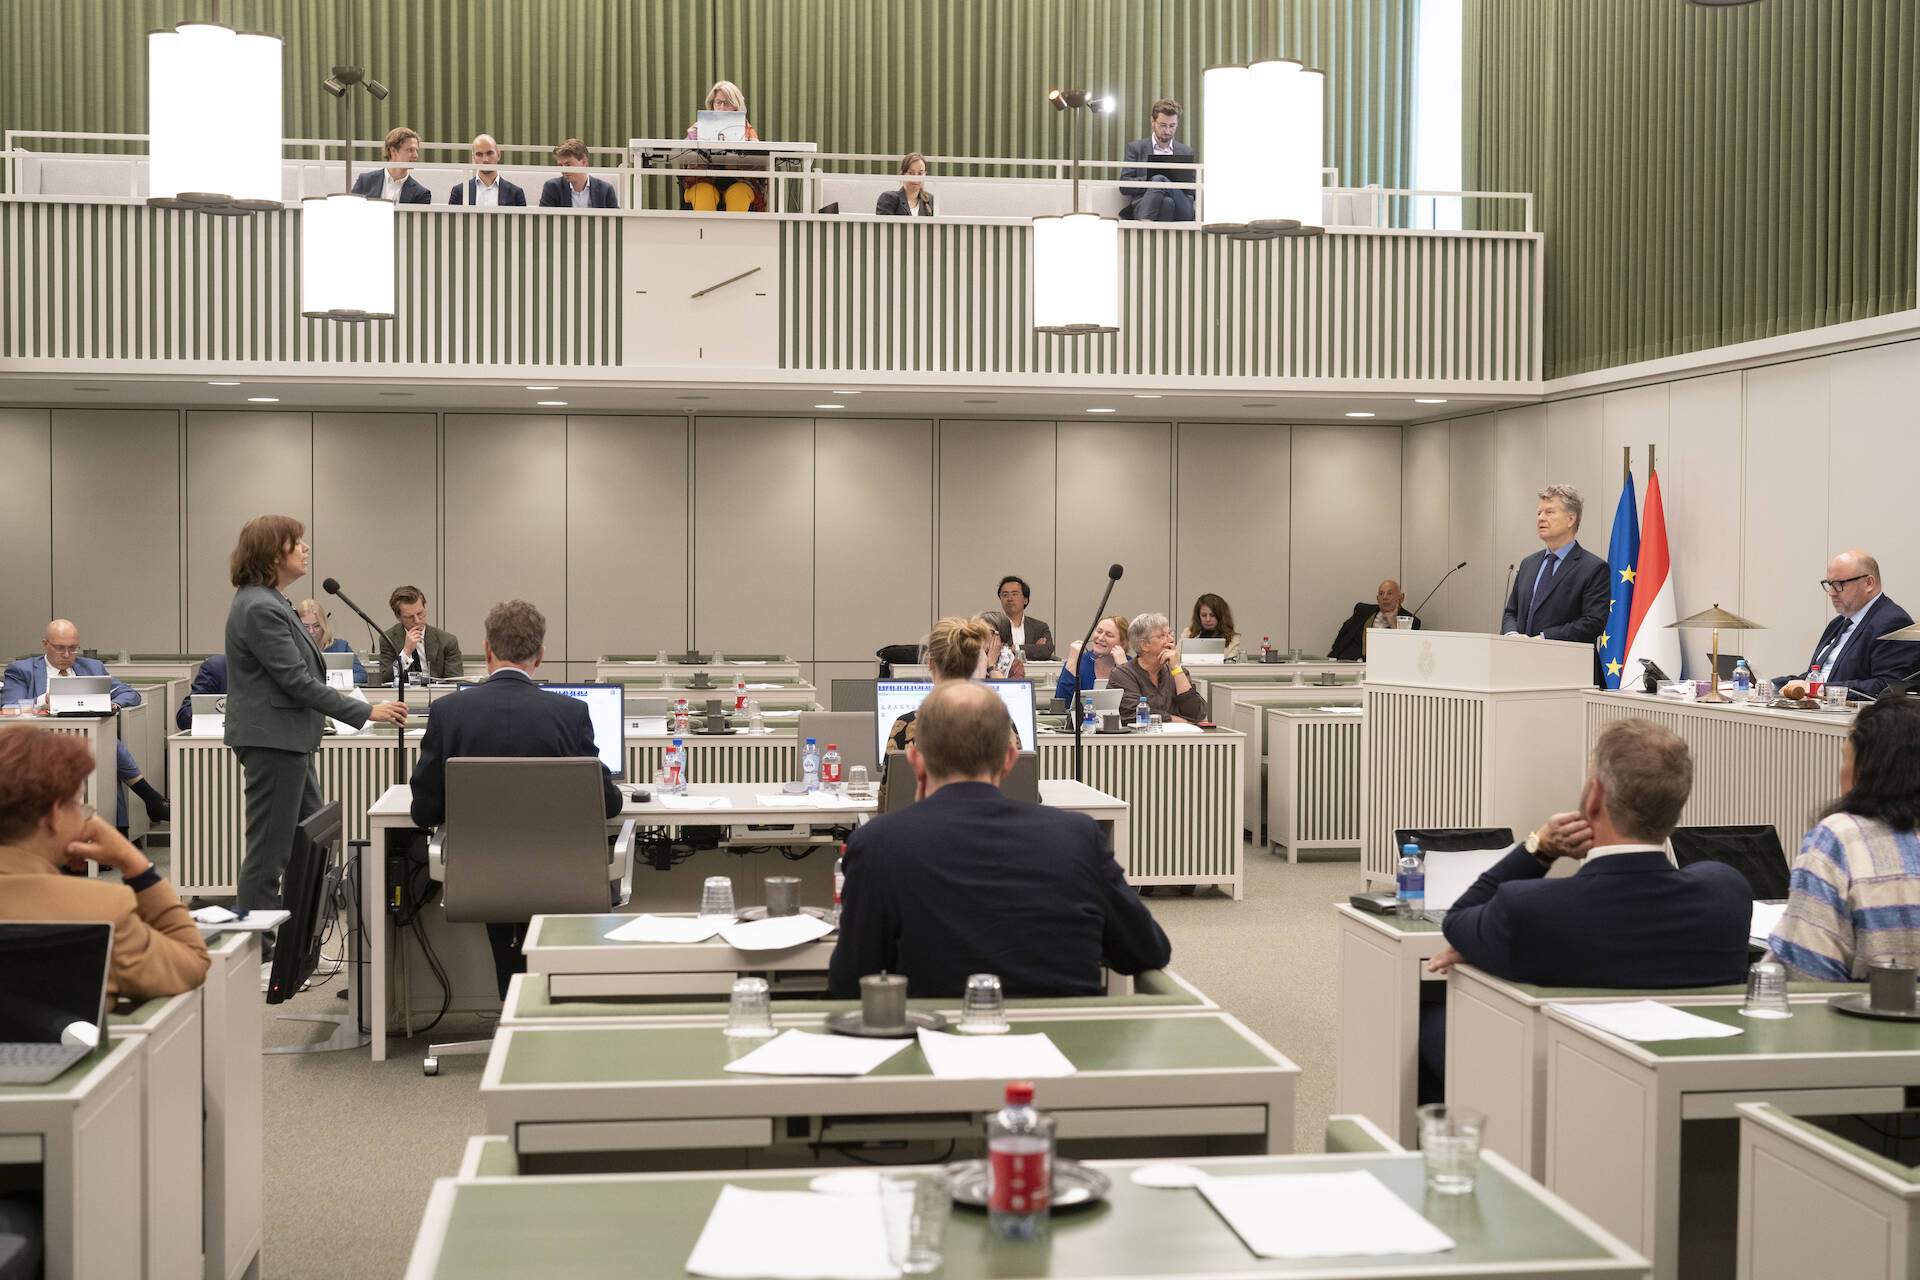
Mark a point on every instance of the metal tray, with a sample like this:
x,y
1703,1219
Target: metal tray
x,y
760,913
1073,1183
1856,1004
847,1023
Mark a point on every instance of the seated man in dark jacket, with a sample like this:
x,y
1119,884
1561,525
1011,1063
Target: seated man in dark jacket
x,y
1628,918
968,881
211,678
1383,614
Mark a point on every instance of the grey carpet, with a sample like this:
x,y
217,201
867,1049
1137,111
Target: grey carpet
x,y
353,1146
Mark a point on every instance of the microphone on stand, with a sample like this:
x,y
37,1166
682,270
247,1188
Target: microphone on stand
x,y
332,587
1113,575
1436,586
1508,590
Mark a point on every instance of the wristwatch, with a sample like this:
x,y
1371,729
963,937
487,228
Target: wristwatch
x,y
1540,855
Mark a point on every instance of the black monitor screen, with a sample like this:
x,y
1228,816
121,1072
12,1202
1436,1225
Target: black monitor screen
x,y
297,945
52,980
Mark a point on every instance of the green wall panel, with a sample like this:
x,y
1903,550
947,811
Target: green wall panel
x,y
1703,177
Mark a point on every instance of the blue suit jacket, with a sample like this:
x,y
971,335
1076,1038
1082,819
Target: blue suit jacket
x,y
373,181
1142,164
510,195
558,194
1868,662
968,881
505,715
27,679
1575,606
211,678
1625,920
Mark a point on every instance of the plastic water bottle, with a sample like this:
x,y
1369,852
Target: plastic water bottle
x,y
739,692
1410,897
676,783
1142,716
1266,648
830,768
1816,681
810,766
1091,720
1742,681
839,881
681,718
1019,1166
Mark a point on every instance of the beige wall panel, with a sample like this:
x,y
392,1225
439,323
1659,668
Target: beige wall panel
x,y
1633,419
1234,528
116,503
1114,495
1786,512
1470,528
1575,455
1701,475
506,522
626,588
753,534
1519,470
1425,482
26,530
873,535
239,465
1346,526
1876,420
997,516
376,514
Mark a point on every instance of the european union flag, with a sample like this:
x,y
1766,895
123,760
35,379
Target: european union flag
x,y
1623,553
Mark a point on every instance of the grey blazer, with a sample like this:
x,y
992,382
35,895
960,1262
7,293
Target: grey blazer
x,y
277,693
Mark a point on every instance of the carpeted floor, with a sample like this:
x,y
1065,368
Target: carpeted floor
x,y
353,1146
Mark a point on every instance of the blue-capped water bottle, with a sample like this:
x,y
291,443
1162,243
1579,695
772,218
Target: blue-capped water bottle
x,y
1742,681
810,765
1410,893
1142,716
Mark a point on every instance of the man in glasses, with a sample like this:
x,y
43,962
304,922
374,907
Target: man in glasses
x,y
1850,651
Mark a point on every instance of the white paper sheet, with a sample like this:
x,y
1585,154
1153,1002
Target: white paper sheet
x,y
224,920
776,933
648,928
793,1235
1766,918
692,802
802,1053
1645,1020
1452,873
1174,726
1011,1057
1321,1215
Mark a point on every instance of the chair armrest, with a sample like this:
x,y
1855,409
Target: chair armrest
x,y
620,870
437,854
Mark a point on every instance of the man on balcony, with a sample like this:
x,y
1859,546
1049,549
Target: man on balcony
x,y
1156,201
394,182
575,188
487,189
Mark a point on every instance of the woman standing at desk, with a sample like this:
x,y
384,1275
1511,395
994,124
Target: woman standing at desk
x,y
912,200
743,195
314,619
278,702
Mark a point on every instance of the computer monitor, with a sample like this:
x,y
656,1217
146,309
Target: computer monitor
x,y
606,709
894,698
297,946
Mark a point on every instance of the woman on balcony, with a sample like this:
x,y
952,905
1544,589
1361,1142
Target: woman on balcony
x,y
742,195
912,200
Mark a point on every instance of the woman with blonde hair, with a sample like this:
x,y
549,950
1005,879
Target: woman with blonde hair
x,y
1108,650
742,195
956,650
314,619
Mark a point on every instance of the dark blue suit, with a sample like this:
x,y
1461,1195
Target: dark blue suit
x,y
558,194
510,195
1154,201
506,715
26,680
374,181
1868,662
968,881
1576,602
211,678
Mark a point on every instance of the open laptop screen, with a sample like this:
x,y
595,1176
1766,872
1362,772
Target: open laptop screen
x,y
609,723
53,982
894,698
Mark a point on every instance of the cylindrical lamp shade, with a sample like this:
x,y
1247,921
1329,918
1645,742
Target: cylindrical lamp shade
x,y
213,119
346,258
1076,274
1303,115
1248,141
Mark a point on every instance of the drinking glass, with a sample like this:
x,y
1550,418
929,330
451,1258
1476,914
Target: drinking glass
x,y
857,781
1450,1147
1767,989
749,1009
916,1207
716,897
984,1010
783,896
1836,697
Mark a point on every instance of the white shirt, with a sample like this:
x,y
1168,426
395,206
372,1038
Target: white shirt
x,y
1019,633
1605,850
1384,623
1846,636
486,193
583,196
391,186
1162,151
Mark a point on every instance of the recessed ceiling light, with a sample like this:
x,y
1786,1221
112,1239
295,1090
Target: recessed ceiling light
x,y
1142,396
1258,404
829,406
980,402
1359,413
1428,400
223,384
1103,411
543,388
693,397
846,393
552,404
263,399
396,393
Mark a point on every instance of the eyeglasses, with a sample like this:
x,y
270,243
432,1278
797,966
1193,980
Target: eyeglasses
x,y
1832,585
64,648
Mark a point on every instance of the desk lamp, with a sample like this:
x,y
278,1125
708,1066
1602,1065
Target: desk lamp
x,y
1716,618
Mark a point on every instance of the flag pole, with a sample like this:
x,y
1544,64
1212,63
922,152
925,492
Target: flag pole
x,y
1651,465
1626,464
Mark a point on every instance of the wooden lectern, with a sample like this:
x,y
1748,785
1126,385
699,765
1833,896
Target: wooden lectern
x,y
1465,729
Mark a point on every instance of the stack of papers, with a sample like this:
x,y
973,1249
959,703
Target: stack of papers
x,y
667,929
227,922
1645,1020
775,933
692,802
1012,1057
1321,1215
793,1235
802,1053
809,800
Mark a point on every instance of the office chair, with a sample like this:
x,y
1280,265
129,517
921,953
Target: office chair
x,y
1753,851
853,732
525,837
1021,783
892,653
854,695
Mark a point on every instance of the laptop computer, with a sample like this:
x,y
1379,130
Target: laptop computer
x,y
80,695
209,715
339,669
53,996
720,126
1200,651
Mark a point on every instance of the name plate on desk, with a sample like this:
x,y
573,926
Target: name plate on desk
x,y
1476,662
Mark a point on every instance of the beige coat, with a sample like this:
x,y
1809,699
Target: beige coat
x,y
157,951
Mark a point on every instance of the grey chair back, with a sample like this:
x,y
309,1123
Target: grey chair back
x,y
524,837
854,732
854,695
1021,783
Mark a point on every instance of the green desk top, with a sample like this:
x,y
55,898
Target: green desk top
x,y
1814,1135
1667,993
586,1227
645,1055
1392,923
1814,1029
72,1077
140,1015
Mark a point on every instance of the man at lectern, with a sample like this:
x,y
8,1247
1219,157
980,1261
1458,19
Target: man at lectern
x,y
1560,592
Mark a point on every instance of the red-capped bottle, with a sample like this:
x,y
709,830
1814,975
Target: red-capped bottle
x,y
1019,1166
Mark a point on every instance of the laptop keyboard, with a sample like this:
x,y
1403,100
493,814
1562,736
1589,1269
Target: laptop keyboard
x,y
37,1063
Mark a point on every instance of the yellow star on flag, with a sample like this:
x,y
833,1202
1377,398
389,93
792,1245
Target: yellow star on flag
x,y
1604,638
1613,668
1626,575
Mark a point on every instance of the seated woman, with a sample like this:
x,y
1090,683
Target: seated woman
x,y
314,619
1108,650
1003,660
1213,620
956,650
45,827
742,195
1855,896
912,199
1155,675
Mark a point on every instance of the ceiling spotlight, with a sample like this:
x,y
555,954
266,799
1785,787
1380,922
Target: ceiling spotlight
x,y
1056,100
263,399
1106,104
1428,400
1359,413
378,90
334,87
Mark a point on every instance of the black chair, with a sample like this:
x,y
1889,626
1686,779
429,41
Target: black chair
x,y
892,653
1754,852
1452,839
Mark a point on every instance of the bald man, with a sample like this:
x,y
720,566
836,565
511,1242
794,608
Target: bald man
x,y
1383,614
487,189
1850,651
26,681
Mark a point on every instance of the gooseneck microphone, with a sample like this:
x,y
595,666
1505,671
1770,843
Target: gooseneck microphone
x,y
1436,586
332,587
1113,575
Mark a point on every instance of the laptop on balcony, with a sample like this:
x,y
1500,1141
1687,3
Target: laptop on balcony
x,y
720,126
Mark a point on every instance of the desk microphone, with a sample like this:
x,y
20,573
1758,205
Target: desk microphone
x,y
332,587
1113,575
1436,586
1507,590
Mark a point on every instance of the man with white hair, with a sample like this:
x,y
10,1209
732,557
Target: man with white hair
x,y
1155,674
487,189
